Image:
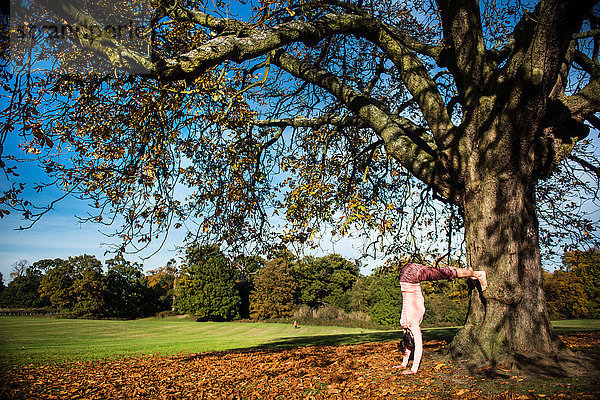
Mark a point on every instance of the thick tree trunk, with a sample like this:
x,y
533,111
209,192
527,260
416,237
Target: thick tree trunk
x,y
508,323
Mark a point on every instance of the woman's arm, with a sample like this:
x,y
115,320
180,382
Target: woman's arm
x,y
416,331
406,357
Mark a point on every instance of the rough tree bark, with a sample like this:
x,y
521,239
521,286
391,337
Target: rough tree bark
x,y
508,324
504,155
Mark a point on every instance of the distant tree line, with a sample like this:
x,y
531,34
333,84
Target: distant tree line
x,y
573,291
78,287
210,286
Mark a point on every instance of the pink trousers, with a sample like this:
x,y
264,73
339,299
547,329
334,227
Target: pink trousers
x,y
413,302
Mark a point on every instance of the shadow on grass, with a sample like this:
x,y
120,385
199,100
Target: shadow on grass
x,y
446,334
370,337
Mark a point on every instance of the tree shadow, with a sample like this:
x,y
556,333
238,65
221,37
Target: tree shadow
x,y
348,339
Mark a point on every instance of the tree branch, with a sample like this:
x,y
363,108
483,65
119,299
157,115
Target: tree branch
x,y
464,34
110,48
408,143
217,50
416,45
586,101
391,40
260,42
419,83
557,22
592,119
587,64
501,54
304,122
585,164
407,40
182,14
587,34
565,119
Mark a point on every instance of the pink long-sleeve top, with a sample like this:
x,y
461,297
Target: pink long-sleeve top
x,y
413,310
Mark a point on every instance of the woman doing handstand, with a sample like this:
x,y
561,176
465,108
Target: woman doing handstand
x,y
413,304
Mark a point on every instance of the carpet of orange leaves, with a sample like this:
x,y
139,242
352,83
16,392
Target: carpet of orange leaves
x,y
362,371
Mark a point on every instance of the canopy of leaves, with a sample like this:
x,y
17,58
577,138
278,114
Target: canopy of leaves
x,y
75,286
22,291
330,112
127,293
163,282
246,269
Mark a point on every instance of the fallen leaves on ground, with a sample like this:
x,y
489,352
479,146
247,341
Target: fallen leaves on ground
x,y
362,371
582,340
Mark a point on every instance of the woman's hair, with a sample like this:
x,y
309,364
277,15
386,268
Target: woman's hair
x,y
408,342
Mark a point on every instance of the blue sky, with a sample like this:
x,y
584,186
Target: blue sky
x,y
58,234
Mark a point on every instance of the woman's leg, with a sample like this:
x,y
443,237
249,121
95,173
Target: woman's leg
x,y
469,273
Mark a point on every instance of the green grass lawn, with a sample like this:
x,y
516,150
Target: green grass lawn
x,y
576,325
25,340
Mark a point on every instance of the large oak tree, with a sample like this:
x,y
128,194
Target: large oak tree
x,y
480,107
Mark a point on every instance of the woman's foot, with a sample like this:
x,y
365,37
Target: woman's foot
x,y
471,269
408,372
481,277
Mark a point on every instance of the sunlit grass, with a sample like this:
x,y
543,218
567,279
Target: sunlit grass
x,y
32,339
25,340
576,325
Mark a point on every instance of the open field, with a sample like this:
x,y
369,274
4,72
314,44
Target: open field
x,y
26,340
272,361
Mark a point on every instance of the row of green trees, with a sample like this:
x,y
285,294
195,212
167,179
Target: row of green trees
x,y
209,286
78,287
329,287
